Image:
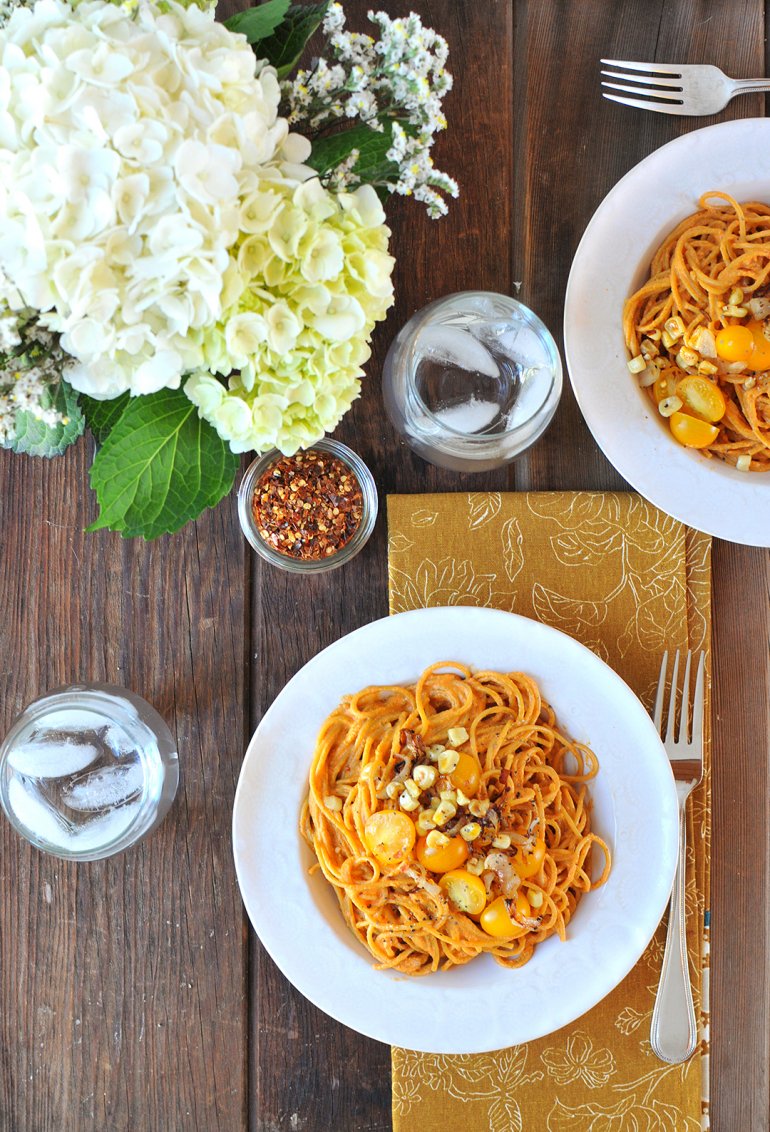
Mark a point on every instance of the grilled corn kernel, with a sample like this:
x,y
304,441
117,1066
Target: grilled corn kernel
x,y
462,799
436,839
649,348
392,789
332,802
736,297
475,865
412,788
743,463
447,761
443,812
675,327
470,831
478,807
535,898
735,311
502,841
448,795
407,802
425,776
637,364
749,383
667,339
669,405
707,368
434,750
654,335
425,822
687,357
456,735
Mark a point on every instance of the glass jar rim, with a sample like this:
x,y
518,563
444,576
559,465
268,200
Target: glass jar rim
x,y
346,552
95,694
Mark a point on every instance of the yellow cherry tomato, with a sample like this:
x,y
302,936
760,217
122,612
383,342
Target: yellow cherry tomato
x,y
442,858
496,919
692,432
735,343
465,891
702,398
528,860
760,358
466,775
389,836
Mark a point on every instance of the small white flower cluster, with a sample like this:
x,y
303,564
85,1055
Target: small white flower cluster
x,y
31,365
396,82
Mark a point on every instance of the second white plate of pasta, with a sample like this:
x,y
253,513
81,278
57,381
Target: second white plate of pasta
x,y
611,262
478,1005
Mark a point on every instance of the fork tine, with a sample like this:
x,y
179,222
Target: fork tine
x,y
653,68
660,107
697,707
657,714
684,712
672,699
675,84
658,93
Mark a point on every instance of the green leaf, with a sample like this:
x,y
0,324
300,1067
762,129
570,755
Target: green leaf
x,y
372,167
283,49
101,416
159,467
260,22
36,438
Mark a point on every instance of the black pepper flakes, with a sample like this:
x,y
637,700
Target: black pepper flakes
x,y
307,506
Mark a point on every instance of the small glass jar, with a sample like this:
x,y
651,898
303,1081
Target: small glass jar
x,y
348,550
472,381
87,770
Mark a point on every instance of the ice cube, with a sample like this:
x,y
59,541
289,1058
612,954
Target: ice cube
x,y
471,417
523,344
35,814
68,719
53,758
104,829
536,384
108,786
121,745
448,345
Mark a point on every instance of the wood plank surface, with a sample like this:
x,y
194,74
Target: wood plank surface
x,y
134,995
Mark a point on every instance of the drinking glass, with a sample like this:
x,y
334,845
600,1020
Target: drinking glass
x,y
472,381
86,770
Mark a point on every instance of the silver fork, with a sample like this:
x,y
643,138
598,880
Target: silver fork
x,y
674,1034
676,88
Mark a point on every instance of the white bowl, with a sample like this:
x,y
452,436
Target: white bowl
x,y
611,261
480,1006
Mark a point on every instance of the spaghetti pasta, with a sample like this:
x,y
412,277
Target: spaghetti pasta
x,y
698,331
452,818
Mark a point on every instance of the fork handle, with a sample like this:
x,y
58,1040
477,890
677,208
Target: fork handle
x,y
747,86
674,1034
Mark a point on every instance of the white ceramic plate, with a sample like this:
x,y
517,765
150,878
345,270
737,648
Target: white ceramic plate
x,y
611,261
480,1006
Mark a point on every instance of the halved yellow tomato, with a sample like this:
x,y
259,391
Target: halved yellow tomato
x,y
497,920
465,891
528,860
735,343
691,431
389,836
663,386
442,858
466,774
701,397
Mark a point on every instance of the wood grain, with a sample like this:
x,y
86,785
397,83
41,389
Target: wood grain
x,y
123,1002
134,997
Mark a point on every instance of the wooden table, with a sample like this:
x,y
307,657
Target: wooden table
x,y
134,995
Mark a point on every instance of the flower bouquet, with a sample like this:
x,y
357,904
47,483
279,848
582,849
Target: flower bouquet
x,y
193,250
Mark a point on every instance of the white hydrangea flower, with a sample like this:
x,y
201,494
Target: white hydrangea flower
x,y
130,142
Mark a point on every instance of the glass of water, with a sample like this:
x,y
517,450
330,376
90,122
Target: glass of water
x,y
87,770
472,381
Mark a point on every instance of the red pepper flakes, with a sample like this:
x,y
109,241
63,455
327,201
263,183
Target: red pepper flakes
x,y
307,506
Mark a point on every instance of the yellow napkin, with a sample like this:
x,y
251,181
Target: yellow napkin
x,y
629,582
